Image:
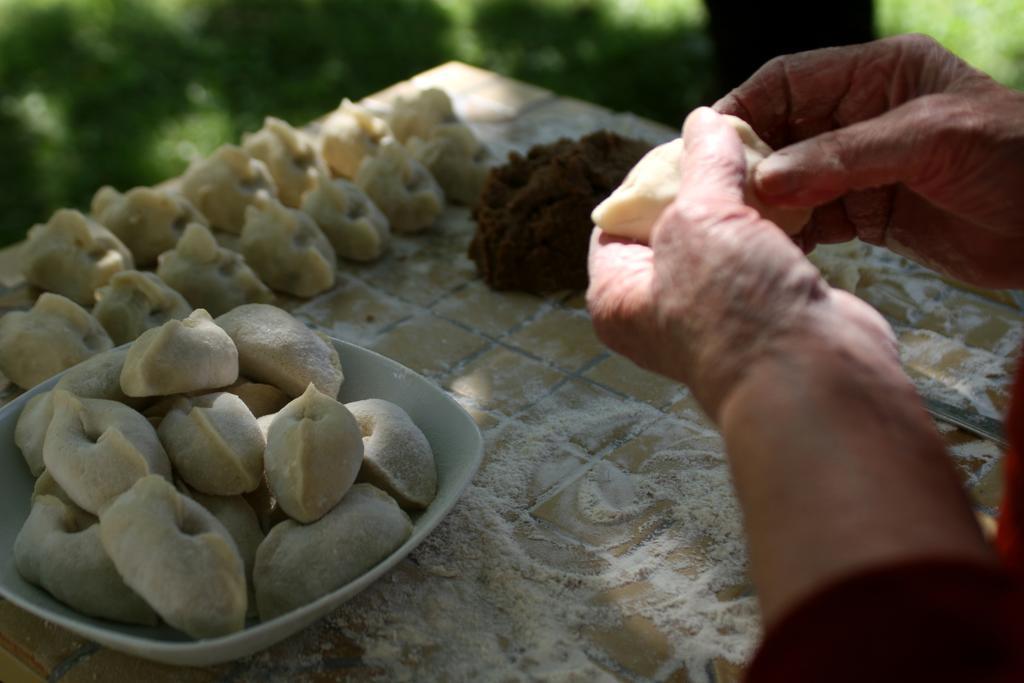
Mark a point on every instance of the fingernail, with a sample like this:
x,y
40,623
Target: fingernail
x,y
699,116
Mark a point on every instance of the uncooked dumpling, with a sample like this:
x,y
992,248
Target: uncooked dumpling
x,y
134,301
634,207
402,188
96,449
350,134
418,115
224,184
53,335
177,556
73,255
214,443
314,449
180,356
396,455
356,228
292,567
275,348
288,250
289,156
55,551
30,430
149,221
456,159
209,276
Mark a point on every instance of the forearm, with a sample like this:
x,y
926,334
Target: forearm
x,y
838,469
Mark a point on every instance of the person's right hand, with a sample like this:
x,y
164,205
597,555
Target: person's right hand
x,y
897,142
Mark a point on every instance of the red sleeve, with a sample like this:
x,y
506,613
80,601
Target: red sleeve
x,y
928,621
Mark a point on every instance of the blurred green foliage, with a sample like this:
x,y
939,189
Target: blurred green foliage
x,y
126,92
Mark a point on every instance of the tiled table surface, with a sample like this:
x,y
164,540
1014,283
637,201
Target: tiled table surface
x,y
528,553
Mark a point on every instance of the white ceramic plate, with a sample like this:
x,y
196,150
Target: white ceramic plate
x,y
457,447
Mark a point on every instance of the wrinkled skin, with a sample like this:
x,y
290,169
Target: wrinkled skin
x,y
719,288
897,142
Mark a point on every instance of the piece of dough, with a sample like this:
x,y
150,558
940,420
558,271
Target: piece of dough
x,y
314,450
419,114
214,443
210,276
356,228
262,500
634,207
348,135
457,160
30,430
149,221
396,455
96,449
223,185
53,335
180,356
288,250
73,255
297,563
177,556
55,551
275,348
402,188
288,154
134,301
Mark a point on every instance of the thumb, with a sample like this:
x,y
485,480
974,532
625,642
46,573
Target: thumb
x,y
713,163
892,148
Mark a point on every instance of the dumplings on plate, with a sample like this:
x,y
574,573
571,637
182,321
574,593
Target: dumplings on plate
x,y
53,335
149,221
456,159
348,135
73,255
396,455
292,568
356,228
180,356
134,301
289,156
210,276
214,443
96,449
55,551
224,184
275,348
288,250
402,188
314,450
175,554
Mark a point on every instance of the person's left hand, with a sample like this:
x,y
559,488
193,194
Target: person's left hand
x,y
719,289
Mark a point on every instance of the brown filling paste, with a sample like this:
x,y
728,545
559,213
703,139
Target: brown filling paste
x,y
533,218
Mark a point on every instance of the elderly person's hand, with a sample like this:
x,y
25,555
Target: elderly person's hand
x,y
720,290
897,142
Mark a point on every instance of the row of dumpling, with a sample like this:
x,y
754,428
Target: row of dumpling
x,y
208,472
276,193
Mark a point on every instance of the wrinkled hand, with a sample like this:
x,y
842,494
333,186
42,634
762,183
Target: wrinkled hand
x,y
897,142
719,289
